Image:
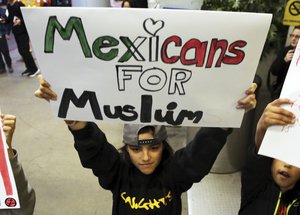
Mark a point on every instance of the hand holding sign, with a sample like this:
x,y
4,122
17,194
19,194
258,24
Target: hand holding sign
x,y
273,114
154,73
7,126
248,102
281,142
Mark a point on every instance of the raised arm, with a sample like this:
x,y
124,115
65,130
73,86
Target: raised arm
x,y
196,159
25,192
256,173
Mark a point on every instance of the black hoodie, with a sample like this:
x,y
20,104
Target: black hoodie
x,y
159,193
260,194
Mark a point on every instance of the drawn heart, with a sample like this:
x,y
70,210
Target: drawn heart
x,y
152,27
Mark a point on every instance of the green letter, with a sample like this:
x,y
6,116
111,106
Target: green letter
x,y
105,42
66,33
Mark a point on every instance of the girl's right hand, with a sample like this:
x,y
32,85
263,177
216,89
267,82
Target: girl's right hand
x,y
45,91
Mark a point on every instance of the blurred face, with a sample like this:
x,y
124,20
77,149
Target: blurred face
x,y
126,4
285,175
11,1
294,37
146,157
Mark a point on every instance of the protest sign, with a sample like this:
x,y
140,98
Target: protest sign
x,y
155,66
8,192
292,13
282,142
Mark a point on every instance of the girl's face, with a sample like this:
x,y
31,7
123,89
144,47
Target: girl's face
x,y
146,157
285,175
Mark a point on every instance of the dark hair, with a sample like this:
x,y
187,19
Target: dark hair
x,y
136,3
146,129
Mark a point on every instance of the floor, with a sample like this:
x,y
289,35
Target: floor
x,y
52,166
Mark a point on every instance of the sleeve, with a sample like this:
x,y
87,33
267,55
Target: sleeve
x,y
256,175
195,160
279,67
25,192
19,13
7,25
10,15
97,154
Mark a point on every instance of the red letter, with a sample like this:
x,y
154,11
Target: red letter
x,y
200,51
164,56
215,45
239,54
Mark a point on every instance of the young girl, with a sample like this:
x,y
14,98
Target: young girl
x,y
270,186
146,177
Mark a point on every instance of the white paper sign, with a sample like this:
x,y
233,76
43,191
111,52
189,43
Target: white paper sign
x,y
282,142
8,191
173,67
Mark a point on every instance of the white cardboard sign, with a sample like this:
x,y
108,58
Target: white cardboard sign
x,y
282,142
155,66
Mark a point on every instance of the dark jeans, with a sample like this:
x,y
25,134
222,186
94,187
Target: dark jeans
x,y
22,41
5,52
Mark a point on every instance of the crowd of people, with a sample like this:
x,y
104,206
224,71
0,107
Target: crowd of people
x,y
146,168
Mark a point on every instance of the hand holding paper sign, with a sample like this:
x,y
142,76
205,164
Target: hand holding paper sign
x,y
288,134
20,193
9,198
156,74
145,147
261,173
273,114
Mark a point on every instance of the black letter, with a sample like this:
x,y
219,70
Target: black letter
x,y
119,112
168,118
69,95
146,108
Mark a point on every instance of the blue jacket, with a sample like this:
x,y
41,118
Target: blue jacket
x,y
4,27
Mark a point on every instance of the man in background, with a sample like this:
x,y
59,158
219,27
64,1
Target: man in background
x,y
19,30
4,36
